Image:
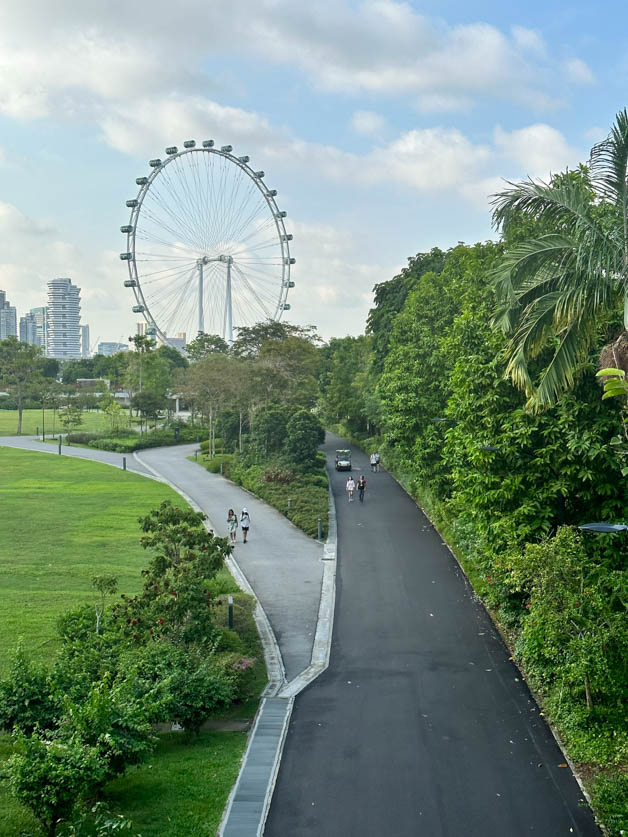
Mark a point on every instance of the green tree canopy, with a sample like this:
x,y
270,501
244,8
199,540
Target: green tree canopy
x,y
556,284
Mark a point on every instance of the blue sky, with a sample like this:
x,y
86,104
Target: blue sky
x,y
383,125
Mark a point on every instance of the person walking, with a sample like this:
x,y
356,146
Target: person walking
x,y
373,463
232,525
245,522
361,488
350,487
376,455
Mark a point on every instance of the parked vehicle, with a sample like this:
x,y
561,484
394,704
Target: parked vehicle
x,y
343,460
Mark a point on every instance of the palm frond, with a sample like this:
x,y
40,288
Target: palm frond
x,y
559,375
609,164
534,327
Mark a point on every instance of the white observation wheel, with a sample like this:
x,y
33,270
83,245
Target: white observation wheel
x,y
207,248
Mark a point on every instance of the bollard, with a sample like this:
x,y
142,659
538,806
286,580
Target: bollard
x,y
320,529
59,444
231,611
37,434
196,456
289,503
124,463
221,469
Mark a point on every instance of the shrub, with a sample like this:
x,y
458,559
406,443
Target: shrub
x,y
610,800
280,475
224,459
26,701
112,722
50,776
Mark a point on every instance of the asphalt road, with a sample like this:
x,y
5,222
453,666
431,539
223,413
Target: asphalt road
x,y
421,725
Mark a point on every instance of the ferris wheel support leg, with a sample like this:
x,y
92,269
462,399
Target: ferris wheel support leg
x,y
229,304
201,318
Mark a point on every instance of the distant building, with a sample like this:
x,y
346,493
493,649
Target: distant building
x,y
8,318
64,316
177,342
92,384
41,319
28,330
147,330
84,341
109,349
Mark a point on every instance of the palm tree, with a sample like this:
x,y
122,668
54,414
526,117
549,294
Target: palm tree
x,y
560,282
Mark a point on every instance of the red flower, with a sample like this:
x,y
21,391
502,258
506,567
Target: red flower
x,y
136,636
577,604
528,606
160,622
489,578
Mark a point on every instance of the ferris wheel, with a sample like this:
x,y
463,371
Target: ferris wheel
x,y
207,248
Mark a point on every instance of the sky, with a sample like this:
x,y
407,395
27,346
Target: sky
x,y
384,126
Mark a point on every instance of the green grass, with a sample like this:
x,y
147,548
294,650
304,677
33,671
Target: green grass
x,y
63,521
32,419
180,791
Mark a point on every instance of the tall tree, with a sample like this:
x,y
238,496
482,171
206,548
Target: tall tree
x,y
204,345
558,283
21,367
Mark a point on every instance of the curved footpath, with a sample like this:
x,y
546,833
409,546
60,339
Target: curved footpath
x,y
421,725
292,577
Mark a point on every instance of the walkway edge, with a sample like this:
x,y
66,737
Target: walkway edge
x,y
272,653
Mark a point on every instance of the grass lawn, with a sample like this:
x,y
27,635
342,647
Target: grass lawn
x,y
63,521
32,419
180,791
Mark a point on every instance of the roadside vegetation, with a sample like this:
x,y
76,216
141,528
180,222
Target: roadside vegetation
x,y
134,635
479,380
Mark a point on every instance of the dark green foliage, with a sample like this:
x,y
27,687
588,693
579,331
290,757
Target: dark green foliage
x,y
610,800
304,433
112,722
26,696
174,602
390,298
269,429
49,776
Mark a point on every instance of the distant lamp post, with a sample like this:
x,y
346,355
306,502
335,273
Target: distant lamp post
x,y
604,527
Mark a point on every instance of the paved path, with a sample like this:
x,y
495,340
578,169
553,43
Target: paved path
x,y
281,564
421,725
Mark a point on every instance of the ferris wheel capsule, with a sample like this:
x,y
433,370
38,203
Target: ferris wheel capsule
x,y
154,163
189,144
172,150
208,143
141,181
226,148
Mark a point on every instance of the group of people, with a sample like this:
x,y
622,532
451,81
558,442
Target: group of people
x,y
360,486
232,524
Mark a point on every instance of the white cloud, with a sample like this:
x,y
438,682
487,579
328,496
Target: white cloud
x,y
537,149
578,71
367,123
332,284
32,252
77,61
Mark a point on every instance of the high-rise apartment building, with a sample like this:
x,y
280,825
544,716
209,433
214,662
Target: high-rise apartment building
x,y
84,341
28,330
41,319
8,318
64,315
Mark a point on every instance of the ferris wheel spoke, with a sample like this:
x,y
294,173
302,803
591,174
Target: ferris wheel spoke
x,y
170,245
172,209
189,201
254,292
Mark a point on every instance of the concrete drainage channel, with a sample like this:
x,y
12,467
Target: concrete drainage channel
x,y
249,803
